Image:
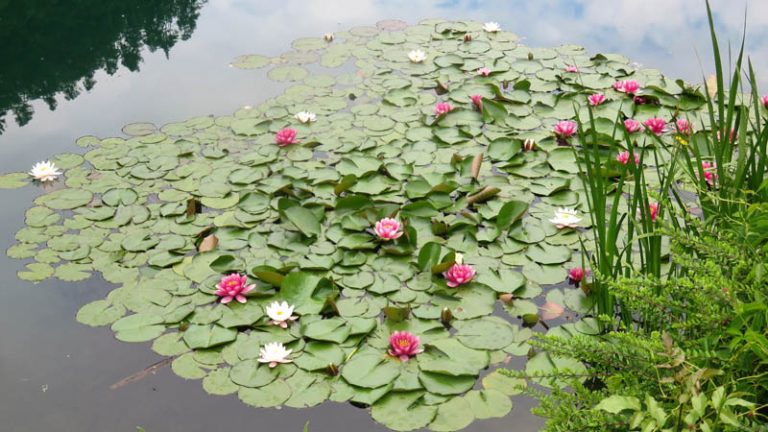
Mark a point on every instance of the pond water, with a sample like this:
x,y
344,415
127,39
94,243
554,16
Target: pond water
x,y
169,63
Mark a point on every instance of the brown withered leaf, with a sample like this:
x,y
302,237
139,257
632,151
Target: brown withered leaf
x,y
209,243
477,162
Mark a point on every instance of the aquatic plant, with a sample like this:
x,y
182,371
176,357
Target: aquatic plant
x,y
280,313
165,212
404,345
388,229
459,274
233,287
45,171
274,353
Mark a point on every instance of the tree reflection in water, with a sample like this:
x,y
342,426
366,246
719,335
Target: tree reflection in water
x,y
51,47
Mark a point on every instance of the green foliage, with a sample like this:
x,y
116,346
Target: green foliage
x,y
684,348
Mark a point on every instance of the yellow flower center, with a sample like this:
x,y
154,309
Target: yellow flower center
x,y
403,343
279,312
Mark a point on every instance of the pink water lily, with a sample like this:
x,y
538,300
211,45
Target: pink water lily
x,y
233,287
388,229
764,100
683,126
571,69
709,172
477,101
442,108
596,99
484,71
655,125
623,158
404,345
459,274
732,136
632,126
653,210
285,137
630,87
565,129
576,275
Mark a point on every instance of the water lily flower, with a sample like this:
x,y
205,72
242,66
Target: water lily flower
x,y
484,71
459,274
492,27
732,135
655,125
764,100
233,287
576,275
709,172
529,144
566,218
417,56
596,99
632,126
443,108
280,314
571,69
630,87
305,116
44,171
623,158
329,37
274,353
653,210
404,345
285,137
388,229
565,129
458,258
683,126
477,101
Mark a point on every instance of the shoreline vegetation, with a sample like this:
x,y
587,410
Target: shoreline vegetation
x,y
393,237
682,348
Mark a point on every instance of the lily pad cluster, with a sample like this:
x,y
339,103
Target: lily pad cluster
x,y
165,212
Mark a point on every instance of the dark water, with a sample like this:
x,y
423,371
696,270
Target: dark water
x,y
105,63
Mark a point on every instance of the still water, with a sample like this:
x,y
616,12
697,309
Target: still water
x,y
103,64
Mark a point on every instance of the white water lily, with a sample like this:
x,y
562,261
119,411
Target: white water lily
x,y
458,258
280,313
274,353
565,217
44,171
329,37
417,56
305,116
492,27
